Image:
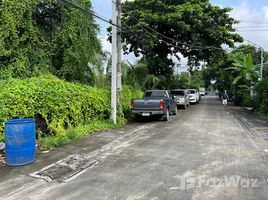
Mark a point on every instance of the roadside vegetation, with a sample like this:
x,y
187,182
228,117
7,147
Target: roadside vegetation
x,y
238,72
61,108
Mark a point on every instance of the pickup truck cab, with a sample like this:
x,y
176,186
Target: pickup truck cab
x,y
155,103
182,97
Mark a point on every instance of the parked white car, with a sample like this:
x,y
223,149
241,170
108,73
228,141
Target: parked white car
x,y
182,97
194,96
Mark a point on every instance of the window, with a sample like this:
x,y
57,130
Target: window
x,y
157,93
178,92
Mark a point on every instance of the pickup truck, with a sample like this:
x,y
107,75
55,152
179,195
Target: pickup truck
x,y
155,103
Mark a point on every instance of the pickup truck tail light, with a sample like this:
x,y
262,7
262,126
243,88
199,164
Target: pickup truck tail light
x,y
162,105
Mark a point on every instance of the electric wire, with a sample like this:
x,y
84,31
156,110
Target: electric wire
x,y
98,16
93,13
195,47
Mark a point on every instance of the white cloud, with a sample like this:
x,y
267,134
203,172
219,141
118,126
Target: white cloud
x,y
106,45
265,10
253,22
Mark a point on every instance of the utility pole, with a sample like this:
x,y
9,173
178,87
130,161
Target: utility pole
x,y
119,47
116,56
262,58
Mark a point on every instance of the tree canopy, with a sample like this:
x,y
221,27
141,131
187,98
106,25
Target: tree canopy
x,y
160,28
41,36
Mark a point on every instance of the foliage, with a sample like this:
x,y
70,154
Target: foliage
x,y
237,72
189,23
244,66
262,87
40,37
151,82
243,96
75,133
135,75
55,104
126,95
262,95
102,79
139,77
263,107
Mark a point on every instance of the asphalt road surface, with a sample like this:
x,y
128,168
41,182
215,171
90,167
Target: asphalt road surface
x,y
203,153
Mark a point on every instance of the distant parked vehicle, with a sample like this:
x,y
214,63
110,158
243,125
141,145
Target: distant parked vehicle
x,y
199,96
202,91
155,103
194,96
182,97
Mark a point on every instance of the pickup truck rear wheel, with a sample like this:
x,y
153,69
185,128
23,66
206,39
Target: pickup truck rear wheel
x,y
166,116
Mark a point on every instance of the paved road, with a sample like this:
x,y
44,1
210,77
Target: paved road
x,y
203,153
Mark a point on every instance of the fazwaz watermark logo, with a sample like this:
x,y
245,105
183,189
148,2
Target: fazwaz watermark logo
x,y
192,182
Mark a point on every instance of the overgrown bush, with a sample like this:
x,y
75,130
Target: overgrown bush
x,y
263,107
126,95
56,105
262,96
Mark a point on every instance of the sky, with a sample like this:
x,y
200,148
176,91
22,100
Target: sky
x,y
252,14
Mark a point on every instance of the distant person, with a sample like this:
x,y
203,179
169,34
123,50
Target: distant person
x,y
224,98
234,99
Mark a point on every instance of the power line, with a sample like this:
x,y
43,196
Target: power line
x,y
253,21
252,30
87,11
193,47
161,40
252,26
190,47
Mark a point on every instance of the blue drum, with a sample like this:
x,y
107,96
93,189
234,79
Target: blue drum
x,y
20,141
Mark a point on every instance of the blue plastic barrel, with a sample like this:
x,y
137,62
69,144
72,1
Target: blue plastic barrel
x,y
20,141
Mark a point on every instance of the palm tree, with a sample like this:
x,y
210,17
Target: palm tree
x,y
243,64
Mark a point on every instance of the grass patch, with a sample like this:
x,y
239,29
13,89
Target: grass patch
x,y
73,134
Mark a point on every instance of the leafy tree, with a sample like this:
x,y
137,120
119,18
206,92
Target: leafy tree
x,y
190,24
235,72
45,36
151,82
244,66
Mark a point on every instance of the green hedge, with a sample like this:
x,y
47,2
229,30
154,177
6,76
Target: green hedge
x,y
57,105
262,96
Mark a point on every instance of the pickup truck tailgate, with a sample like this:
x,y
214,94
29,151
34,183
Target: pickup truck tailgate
x,y
146,104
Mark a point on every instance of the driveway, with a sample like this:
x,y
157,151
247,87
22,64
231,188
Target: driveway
x,y
203,153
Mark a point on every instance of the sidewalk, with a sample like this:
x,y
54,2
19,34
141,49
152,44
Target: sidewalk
x,y
257,126
16,179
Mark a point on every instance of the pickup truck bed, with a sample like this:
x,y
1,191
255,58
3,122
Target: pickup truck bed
x,y
155,103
